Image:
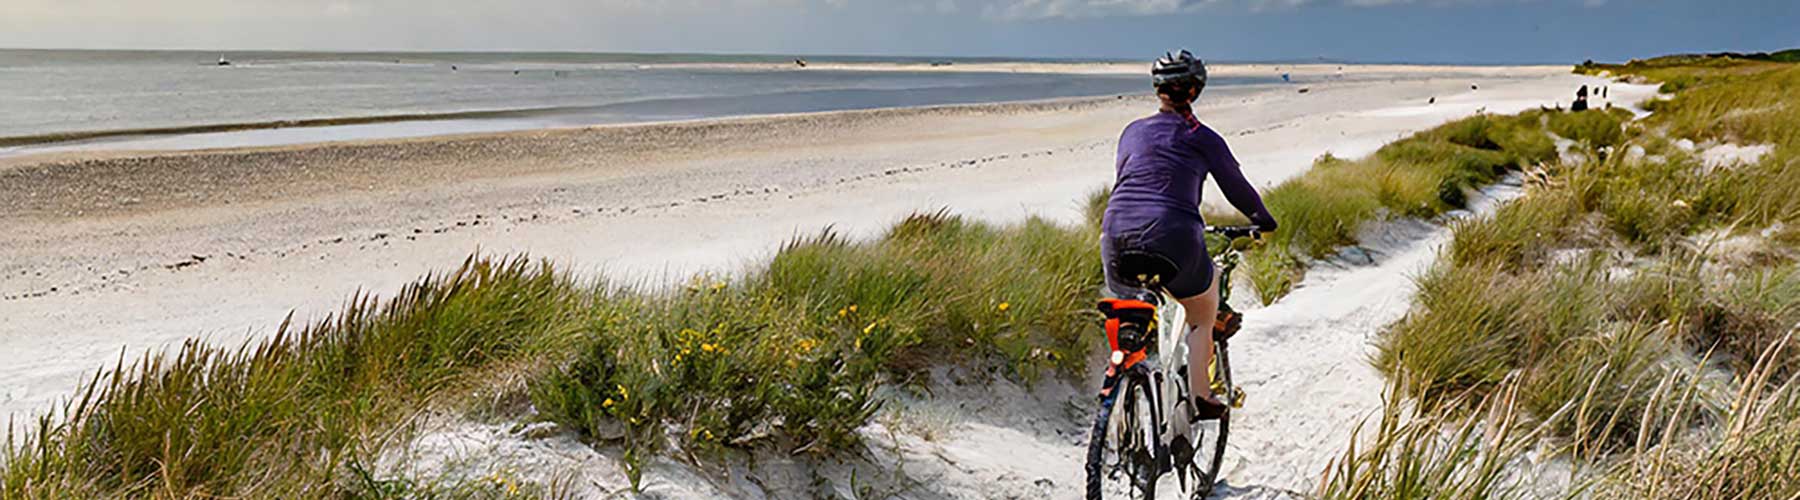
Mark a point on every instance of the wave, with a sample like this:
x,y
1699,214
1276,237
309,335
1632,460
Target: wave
x,y
87,135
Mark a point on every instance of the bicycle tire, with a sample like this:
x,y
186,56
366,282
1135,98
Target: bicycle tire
x,y
1129,388
1207,479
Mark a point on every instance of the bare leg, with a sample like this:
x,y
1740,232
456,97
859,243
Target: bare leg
x,y
1202,311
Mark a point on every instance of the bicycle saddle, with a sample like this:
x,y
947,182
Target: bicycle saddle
x,y
1146,270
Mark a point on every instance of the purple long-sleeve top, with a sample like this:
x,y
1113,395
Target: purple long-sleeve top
x,y
1162,165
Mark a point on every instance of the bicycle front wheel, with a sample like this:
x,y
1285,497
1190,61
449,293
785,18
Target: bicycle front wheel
x,y
1121,463
1210,435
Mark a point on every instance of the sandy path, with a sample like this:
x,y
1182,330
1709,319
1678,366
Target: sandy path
x,y
78,290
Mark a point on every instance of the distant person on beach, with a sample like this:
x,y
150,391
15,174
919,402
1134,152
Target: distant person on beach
x,y
1580,103
1163,162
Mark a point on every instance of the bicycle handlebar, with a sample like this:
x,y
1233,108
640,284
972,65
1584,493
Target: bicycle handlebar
x,y
1235,232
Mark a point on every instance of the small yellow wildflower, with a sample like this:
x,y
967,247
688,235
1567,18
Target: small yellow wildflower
x,y
709,436
1004,306
869,328
718,286
623,394
852,307
842,312
707,347
808,344
606,404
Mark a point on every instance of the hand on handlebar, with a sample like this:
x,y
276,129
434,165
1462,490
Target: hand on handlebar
x,y
1235,232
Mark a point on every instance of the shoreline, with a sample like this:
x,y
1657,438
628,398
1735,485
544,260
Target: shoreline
x,y
110,139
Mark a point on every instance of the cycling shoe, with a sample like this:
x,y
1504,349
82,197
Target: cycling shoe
x,y
1207,410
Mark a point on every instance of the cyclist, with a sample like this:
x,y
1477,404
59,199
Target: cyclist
x,y
1163,161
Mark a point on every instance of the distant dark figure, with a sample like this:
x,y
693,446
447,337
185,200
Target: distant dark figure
x,y
515,72
1473,87
1603,92
1581,103
453,67
1431,101
800,62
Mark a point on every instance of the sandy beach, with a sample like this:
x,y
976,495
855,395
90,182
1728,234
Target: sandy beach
x,y
114,253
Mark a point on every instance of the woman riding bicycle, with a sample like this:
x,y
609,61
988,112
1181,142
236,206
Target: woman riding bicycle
x,y
1163,162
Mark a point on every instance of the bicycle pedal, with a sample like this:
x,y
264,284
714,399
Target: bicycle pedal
x,y
1237,397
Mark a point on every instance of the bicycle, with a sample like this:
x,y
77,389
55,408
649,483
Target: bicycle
x,y
1143,441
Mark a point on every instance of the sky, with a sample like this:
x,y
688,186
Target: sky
x,y
1428,31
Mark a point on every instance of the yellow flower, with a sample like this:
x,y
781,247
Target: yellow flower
x,y
623,394
869,328
606,404
718,286
843,312
709,436
852,307
808,344
677,358
1004,306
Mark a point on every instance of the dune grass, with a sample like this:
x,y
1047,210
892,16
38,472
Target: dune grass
x,y
290,416
1431,451
786,356
1607,289
789,356
1424,175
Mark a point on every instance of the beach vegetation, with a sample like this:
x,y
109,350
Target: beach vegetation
x,y
1637,305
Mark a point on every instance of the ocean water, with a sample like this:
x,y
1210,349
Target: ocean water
x,y
62,99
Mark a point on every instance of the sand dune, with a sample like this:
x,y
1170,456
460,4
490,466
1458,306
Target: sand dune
x,y
111,253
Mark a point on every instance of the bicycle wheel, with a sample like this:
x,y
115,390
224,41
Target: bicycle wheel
x,y
1121,463
1210,435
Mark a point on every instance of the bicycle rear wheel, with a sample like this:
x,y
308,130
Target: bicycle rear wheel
x,y
1121,463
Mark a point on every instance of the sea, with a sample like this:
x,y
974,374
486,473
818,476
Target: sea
x,y
66,99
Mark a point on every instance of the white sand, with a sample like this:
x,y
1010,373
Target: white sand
x,y
308,252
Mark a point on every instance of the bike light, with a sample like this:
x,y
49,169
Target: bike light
x,y
1118,357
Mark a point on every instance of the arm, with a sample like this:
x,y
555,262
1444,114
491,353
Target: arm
x,y
1224,168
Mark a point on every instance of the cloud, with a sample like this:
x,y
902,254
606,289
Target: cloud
x,y
1054,9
